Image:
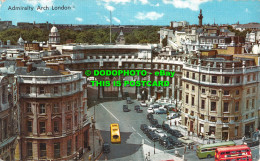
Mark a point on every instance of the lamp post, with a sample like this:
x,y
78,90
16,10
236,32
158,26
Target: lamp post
x,y
93,128
154,146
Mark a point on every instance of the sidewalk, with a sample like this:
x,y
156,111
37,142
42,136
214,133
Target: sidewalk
x,y
98,142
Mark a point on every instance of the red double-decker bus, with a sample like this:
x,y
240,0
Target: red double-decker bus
x,y
233,153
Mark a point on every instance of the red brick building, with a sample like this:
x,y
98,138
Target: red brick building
x,y
53,114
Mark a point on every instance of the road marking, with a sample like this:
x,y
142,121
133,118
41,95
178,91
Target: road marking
x,y
133,128
109,112
148,141
139,134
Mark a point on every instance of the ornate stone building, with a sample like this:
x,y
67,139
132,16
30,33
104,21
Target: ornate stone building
x,y
54,36
53,111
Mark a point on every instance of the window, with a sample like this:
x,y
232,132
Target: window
x,y
29,126
186,110
225,119
29,150
76,120
203,90
69,124
192,101
248,78
248,91
75,86
225,106
202,116
41,90
254,77
193,75
253,90
192,113
212,118
236,119
187,86
5,123
214,79
237,106
67,88
42,127
252,114
226,93
214,92
213,106
203,104
68,147
28,90
42,108
238,79
57,150
187,74
221,41
56,126
193,88
247,104
42,150
253,103
226,80
75,104
28,108
56,108
187,99
203,78
246,116
68,105
55,90
237,92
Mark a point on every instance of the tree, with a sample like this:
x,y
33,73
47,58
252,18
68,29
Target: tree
x,y
164,42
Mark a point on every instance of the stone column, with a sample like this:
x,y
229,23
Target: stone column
x,y
173,87
138,89
149,88
35,122
49,120
178,90
167,88
63,121
119,89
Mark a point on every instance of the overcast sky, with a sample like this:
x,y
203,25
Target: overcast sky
x,y
134,12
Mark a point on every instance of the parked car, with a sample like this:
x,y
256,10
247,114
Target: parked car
x,y
186,140
149,116
143,127
143,104
168,145
106,148
175,133
166,127
172,116
154,121
150,110
154,106
160,111
125,108
137,107
153,137
160,133
152,128
128,100
158,125
175,141
139,110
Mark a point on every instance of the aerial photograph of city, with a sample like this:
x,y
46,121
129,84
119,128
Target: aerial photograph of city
x,y
129,80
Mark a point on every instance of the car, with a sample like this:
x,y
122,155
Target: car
x,y
143,127
172,116
149,116
160,111
162,140
154,121
175,141
154,137
160,133
154,106
125,108
185,140
128,100
150,110
106,148
168,145
139,110
152,128
175,133
166,127
149,134
137,107
158,125
143,104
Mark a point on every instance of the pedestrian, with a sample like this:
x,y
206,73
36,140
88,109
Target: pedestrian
x,y
170,122
243,139
175,123
184,149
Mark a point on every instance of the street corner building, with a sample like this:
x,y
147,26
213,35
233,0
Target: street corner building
x,y
53,112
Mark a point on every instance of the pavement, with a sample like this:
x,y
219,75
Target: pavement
x,y
97,146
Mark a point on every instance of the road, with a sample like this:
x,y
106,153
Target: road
x,y
132,138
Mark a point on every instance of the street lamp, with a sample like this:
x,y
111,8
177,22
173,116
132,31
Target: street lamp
x,y
93,127
154,146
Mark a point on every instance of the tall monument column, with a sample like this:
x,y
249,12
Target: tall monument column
x,y
200,18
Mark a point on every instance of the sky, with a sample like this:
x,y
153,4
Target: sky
x,y
133,12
